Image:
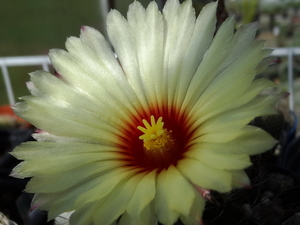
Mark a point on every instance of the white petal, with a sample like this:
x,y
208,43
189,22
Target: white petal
x,y
90,82
114,83
51,88
179,27
66,179
164,214
250,93
231,83
228,123
209,67
53,164
109,181
43,136
251,141
146,217
83,215
198,45
205,176
143,195
172,201
121,38
194,218
72,198
95,40
224,50
114,204
217,157
239,179
148,34
44,115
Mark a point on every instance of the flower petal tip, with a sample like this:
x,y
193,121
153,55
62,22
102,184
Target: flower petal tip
x,y
284,95
58,75
39,131
34,207
276,61
205,193
247,186
13,174
255,24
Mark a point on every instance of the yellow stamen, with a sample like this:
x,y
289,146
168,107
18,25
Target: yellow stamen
x,y
152,131
155,137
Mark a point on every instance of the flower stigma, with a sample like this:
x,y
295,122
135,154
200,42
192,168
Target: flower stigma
x,y
156,139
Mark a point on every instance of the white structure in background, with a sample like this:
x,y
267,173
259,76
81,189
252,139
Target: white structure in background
x,y
6,62
44,62
289,53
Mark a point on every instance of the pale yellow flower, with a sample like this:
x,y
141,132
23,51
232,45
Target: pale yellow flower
x,y
139,137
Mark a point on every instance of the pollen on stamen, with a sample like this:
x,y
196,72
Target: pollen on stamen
x,y
157,141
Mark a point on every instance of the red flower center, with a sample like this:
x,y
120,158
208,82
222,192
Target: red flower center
x,y
162,151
